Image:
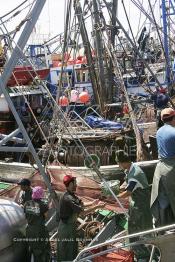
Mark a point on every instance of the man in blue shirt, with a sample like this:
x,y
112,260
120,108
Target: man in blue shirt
x,y
163,187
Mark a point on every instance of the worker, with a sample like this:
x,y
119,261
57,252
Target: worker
x,y
70,207
36,232
26,191
163,193
137,188
160,100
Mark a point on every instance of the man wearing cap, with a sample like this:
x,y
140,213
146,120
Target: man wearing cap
x,y
70,207
137,188
163,187
36,232
27,191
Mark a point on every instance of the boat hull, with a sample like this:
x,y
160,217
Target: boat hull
x,y
25,75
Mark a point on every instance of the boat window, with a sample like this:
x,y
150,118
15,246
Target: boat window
x,y
84,76
78,77
70,78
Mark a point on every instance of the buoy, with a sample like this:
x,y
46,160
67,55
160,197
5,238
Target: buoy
x,y
73,95
84,97
63,101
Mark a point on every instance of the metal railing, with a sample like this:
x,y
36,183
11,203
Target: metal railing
x,y
83,257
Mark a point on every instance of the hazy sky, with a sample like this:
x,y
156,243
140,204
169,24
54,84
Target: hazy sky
x,y
51,21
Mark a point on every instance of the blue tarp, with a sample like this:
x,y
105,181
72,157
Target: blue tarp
x,y
98,122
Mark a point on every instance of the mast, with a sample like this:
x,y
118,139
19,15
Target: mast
x,y
99,47
87,48
166,43
111,92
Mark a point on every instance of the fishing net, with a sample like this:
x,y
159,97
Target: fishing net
x,y
118,256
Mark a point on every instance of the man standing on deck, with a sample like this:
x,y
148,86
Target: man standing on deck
x,y
36,232
160,99
27,191
137,188
163,187
70,207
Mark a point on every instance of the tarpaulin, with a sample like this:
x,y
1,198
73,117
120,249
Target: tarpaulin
x,y
98,122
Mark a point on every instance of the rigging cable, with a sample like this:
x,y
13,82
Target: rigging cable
x,y
147,88
138,28
150,18
9,34
14,9
148,12
129,24
163,49
17,13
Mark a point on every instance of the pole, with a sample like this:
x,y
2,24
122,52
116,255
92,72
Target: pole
x,y
166,42
99,48
112,89
87,48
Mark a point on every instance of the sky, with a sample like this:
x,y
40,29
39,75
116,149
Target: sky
x,y
51,20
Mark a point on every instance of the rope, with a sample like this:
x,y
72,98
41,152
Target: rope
x,y
157,29
150,18
17,13
14,9
138,28
141,84
112,54
148,12
129,24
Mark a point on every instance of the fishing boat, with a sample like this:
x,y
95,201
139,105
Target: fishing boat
x,y
23,75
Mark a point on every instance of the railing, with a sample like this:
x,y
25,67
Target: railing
x,y
86,255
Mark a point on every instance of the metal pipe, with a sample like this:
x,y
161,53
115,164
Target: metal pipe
x,y
50,239
8,137
80,119
112,241
92,110
14,149
166,42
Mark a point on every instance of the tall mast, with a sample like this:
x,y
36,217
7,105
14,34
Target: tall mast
x,y
166,43
99,48
87,48
112,92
